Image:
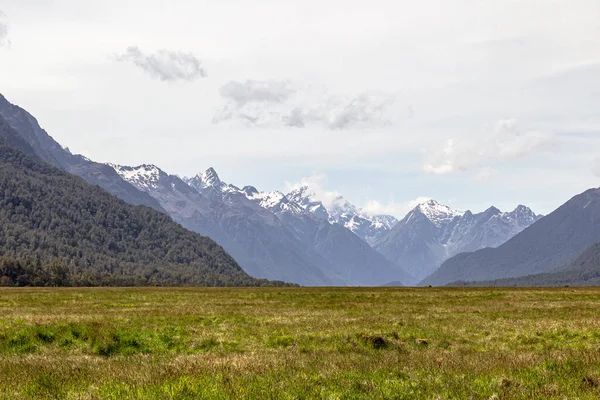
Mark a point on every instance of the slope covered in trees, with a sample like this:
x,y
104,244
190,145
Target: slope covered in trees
x,y
56,229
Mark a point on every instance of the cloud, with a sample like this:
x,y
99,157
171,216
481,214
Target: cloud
x,y
316,184
281,103
3,30
397,209
338,112
257,91
505,142
330,199
167,66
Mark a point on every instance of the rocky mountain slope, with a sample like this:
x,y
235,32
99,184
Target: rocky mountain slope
x,y
431,233
349,255
549,244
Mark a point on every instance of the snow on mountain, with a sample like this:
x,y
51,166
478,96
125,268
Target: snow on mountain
x,y
340,211
431,233
437,213
274,201
267,233
208,182
306,199
144,176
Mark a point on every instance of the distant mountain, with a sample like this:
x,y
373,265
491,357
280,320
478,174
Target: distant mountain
x,y
59,230
584,271
347,259
349,256
549,244
368,227
252,235
431,233
47,149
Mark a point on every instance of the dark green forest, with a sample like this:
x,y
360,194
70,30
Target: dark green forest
x,y
57,230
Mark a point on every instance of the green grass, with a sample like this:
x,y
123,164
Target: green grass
x,y
300,343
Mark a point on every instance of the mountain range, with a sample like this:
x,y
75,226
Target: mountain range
x,y
270,236
298,237
549,245
431,233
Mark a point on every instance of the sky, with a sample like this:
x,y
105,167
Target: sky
x,y
471,102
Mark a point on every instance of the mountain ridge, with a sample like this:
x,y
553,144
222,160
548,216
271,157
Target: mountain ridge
x,y
550,243
50,151
431,233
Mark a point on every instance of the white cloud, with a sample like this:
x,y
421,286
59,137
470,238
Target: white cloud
x,y
331,199
506,142
316,184
257,91
168,66
281,103
397,209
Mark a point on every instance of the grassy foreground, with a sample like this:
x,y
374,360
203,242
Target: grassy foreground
x,y
297,343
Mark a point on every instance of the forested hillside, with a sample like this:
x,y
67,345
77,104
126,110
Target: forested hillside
x,y
56,229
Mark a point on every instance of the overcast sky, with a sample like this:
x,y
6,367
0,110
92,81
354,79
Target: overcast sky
x,y
470,102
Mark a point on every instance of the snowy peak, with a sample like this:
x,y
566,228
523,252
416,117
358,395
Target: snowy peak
x,y
206,179
305,198
250,191
340,211
437,213
209,181
266,199
211,178
386,222
145,176
523,214
420,250
340,206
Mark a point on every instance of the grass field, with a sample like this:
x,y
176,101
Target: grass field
x,y
298,343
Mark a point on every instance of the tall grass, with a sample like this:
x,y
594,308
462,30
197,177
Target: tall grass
x,y
300,343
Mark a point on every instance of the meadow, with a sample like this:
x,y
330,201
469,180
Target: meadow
x,y
299,343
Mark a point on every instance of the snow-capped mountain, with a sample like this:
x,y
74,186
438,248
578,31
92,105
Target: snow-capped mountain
x,y
307,200
144,177
209,183
552,246
431,233
254,236
269,235
349,255
437,213
340,211
274,201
